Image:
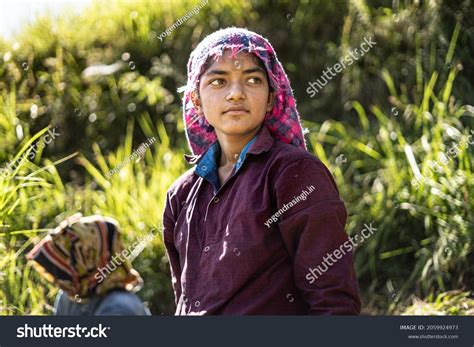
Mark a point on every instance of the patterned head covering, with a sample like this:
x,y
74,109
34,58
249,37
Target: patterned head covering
x,y
77,256
282,121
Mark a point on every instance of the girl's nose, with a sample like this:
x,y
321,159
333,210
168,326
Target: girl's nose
x,y
236,92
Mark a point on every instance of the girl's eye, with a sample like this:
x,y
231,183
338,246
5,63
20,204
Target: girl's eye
x,y
217,82
255,80
221,81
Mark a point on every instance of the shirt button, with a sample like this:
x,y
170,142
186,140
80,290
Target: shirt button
x,y
206,249
197,303
204,167
216,200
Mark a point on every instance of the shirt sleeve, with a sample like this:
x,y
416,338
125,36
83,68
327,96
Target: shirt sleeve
x,y
311,221
169,222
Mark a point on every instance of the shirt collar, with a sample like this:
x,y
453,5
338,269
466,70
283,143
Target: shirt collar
x,y
263,142
206,164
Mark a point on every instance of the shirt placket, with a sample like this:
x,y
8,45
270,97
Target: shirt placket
x,y
194,303
215,199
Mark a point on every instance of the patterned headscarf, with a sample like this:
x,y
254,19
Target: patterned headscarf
x,y
77,256
282,121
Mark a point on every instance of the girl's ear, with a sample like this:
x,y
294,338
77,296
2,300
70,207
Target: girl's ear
x,y
271,99
196,101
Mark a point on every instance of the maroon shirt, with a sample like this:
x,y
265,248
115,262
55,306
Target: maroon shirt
x,y
247,247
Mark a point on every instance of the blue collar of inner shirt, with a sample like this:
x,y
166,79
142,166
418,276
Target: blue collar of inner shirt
x,y
207,167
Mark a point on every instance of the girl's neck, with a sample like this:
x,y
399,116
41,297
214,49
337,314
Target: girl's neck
x,y
232,145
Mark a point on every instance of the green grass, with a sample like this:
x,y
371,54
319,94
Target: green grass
x,y
406,256
425,231
450,303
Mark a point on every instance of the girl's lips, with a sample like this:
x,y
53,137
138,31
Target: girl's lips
x,y
236,109
235,112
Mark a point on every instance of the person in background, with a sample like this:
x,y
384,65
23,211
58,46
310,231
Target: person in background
x,y
73,257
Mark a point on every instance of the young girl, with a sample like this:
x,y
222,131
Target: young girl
x,y
245,227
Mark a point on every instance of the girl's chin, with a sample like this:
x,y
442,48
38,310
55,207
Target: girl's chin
x,y
237,129
238,126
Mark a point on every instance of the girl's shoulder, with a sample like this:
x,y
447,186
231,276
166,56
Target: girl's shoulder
x,y
284,155
182,184
290,163
177,194
293,166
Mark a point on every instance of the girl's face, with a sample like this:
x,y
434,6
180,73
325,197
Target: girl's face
x,y
234,94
